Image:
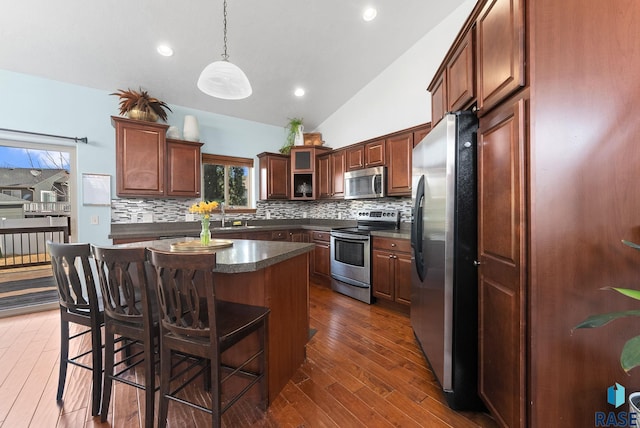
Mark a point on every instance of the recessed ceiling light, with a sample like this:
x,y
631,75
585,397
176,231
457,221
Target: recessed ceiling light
x,y
299,92
165,50
369,14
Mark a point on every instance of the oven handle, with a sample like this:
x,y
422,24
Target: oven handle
x,y
349,237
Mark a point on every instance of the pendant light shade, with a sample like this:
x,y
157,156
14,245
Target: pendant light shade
x,y
221,79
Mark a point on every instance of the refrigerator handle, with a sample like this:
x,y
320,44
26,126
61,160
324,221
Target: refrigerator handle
x,y
417,230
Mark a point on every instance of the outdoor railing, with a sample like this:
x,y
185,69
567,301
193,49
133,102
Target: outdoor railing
x,y
27,246
47,208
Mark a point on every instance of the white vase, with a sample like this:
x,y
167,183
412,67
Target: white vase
x,y
634,402
190,130
299,140
173,132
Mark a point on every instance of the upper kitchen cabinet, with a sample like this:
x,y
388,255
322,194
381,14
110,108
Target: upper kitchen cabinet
x,y
355,157
460,75
140,157
374,153
438,89
304,184
500,51
399,151
420,133
183,168
274,176
147,164
331,168
453,87
366,155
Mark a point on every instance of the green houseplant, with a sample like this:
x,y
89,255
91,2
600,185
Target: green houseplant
x,y
293,127
630,356
141,106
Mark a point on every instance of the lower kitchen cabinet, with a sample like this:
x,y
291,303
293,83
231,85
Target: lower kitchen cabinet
x,y
320,267
391,269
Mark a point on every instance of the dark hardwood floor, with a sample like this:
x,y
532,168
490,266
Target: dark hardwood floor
x,y
363,369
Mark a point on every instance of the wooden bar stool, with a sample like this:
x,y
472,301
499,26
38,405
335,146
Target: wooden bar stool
x,y
194,322
129,314
79,304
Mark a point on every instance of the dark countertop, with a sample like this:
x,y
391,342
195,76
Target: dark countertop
x,y
192,228
243,255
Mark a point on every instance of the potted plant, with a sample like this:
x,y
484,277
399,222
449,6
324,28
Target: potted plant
x,y
630,355
294,130
141,106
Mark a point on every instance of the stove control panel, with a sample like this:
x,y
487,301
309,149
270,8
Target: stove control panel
x,y
389,216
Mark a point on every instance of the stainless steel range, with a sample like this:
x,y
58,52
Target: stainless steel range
x,y
351,252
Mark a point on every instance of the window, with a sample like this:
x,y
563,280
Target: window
x,y
227,179
16,193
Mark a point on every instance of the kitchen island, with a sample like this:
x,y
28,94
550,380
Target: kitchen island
x,y
271,274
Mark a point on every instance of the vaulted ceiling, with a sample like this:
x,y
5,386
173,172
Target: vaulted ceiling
x,y
323,46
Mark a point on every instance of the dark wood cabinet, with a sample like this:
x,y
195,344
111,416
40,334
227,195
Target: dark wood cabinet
x,y
337,173
355,157
140,157
461,75
439,103
374,153
502,241
304,185
330,172
320,266
500,51
183,168
274,176
324,176
399,162
420,133
391,269
365,155
150,165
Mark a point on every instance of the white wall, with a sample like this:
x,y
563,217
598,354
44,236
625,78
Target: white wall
x,y
398,97
29,103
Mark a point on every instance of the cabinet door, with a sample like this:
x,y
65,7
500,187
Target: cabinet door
x,y
325,178
501,245
337,173
140,158
399,152
419,134
460,75
439,99
322,259
355,158
183,168
274,177
402,278
302,160
382,274
374,153
500,51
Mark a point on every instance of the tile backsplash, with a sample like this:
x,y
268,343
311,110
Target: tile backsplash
x,y
174,210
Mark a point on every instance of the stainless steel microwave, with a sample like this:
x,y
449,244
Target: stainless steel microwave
x,y
365,183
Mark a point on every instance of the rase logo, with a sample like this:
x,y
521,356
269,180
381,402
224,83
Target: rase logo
x,y
616,397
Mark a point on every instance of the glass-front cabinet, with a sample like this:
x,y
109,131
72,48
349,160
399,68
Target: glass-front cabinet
x,y
304,184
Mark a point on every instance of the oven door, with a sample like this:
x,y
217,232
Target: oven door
x,y
351,258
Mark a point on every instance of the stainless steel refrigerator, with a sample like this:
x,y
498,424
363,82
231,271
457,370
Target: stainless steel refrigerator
x,y
444,296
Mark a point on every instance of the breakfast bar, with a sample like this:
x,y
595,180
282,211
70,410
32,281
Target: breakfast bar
x,y
271,274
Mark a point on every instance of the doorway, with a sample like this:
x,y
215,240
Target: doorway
x,y
37,188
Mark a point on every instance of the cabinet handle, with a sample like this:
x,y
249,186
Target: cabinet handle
x,y
476,263
393,244
390,256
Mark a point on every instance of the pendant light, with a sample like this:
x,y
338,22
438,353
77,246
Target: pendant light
x,y
222,79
